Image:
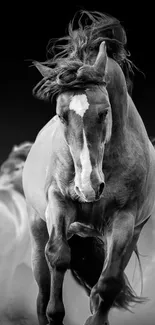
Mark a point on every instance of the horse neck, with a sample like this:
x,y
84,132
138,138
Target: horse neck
x,y
118,96
135,117
130,143
135,121
124,111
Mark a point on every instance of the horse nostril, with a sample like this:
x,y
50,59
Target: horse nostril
x,y
100,190
77,190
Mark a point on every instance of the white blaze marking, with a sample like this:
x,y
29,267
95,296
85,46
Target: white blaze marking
x,y
109,126
86,164
79,104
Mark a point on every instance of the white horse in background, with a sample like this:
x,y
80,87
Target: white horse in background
x,y
16,281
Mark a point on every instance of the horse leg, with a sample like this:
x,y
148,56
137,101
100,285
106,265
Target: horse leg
x,y
59,215
40,267
120,244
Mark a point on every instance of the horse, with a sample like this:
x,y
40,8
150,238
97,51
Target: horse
x,y
14,233
89,178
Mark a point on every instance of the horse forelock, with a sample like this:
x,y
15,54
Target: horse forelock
x,y
80,50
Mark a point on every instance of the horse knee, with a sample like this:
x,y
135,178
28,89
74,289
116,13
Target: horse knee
x,y
109,288
58,254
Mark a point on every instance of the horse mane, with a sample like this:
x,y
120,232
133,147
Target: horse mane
x,y
17,156
152,139
80,48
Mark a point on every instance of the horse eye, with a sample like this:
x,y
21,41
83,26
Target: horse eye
x,y
102,115
17,168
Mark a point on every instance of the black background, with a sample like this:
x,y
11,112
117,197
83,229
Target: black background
x,y
25,32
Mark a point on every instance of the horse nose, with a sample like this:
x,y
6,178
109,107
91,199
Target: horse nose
x,y
87,194
99,190
77,190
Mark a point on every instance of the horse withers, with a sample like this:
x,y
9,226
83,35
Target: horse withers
x,y
89,179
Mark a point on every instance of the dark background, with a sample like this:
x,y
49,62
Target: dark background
x,y
25,32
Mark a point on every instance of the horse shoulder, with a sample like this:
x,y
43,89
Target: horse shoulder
x,y
41,165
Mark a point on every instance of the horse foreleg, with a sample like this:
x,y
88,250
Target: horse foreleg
x,y
111,281
59,215
40,267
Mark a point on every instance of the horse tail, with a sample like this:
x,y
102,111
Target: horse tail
x,y
128,295
87,252
140,268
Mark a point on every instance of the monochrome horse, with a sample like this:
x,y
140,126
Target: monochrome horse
x,y
89,178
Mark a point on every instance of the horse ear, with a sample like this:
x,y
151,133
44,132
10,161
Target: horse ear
x,y
43,69
100,64
15,148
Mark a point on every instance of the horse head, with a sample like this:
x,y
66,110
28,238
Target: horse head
x,y
11,170
86,119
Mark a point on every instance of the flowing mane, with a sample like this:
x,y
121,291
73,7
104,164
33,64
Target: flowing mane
x,y
79,49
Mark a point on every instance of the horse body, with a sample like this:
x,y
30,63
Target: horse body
x,y
90,173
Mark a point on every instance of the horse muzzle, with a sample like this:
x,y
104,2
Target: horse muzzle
x,y
90,194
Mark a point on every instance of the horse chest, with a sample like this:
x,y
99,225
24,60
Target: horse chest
x,y
34,176
91,213
42,167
